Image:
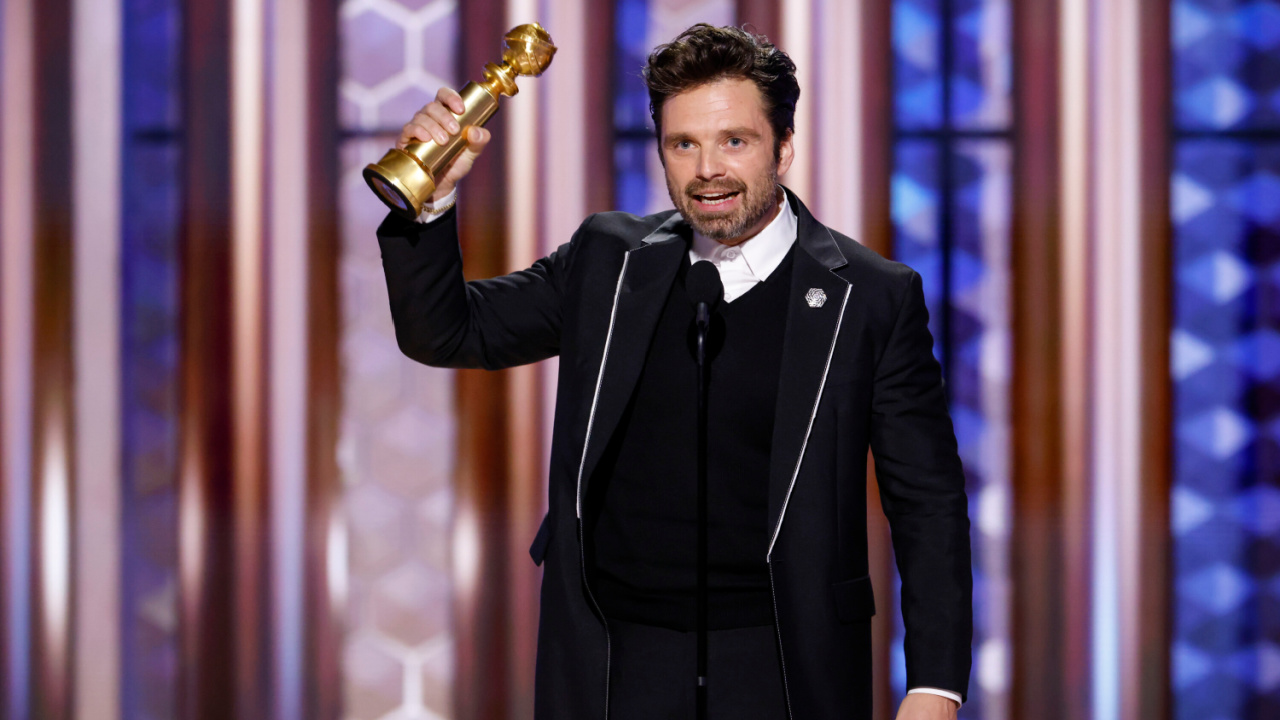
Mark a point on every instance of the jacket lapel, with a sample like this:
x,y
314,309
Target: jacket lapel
x,y
646,281
806,355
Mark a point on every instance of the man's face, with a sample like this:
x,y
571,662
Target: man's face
x,y
718,150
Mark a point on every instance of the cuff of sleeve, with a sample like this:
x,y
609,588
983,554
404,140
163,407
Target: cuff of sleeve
x,y
434,211
935,691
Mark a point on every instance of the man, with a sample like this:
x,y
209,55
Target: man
x,y
819,351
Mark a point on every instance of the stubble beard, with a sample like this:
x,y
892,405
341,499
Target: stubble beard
x,y
758,199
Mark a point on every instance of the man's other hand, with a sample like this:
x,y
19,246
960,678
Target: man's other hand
x,y
437,121
923,706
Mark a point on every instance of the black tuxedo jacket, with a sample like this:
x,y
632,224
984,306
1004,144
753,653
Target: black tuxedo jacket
x,y
857,372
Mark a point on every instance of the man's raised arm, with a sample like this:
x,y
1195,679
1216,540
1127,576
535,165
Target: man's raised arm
x,y
441,319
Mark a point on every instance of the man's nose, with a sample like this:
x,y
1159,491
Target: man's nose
x,y
710,165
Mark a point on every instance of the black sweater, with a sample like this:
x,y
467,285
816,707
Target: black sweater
x,y
641,512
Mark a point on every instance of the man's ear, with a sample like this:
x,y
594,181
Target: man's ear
x,y
786,153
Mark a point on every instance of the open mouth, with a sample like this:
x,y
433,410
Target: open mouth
x,y
715,199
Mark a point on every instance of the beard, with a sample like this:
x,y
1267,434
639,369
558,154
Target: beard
x,y
758,200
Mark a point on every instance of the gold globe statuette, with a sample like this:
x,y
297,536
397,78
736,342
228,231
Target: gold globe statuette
x,y
404,179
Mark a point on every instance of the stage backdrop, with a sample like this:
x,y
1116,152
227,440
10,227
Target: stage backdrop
x,y
225,493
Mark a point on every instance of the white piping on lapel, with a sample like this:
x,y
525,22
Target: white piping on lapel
x,y
662,233
604,357
822,386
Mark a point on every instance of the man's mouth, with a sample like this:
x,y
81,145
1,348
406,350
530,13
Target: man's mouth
x,y
715,199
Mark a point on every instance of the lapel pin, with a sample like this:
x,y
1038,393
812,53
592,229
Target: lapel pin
x,y
815,297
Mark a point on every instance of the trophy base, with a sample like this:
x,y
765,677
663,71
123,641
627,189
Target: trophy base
x,y
400,182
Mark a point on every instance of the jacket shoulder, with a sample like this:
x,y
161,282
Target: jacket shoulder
x,y
868,269
621,226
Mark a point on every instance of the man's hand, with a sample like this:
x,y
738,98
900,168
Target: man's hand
x,y
436,122
923,706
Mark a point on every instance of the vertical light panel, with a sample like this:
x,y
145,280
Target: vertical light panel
x,y
951,207
530,171
96,37
797,36
873,226
1225,341
837,63
574,132
16,324
560,168
1117,322
1049,546
221,480
324,563
1075,149
250,427
288,230
397,435
1115,235
52,539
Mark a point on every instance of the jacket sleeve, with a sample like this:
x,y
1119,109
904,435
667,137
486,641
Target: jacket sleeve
x,y
922,492
445,321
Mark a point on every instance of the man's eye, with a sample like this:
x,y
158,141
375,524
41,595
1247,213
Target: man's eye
x,y
684,145
737,142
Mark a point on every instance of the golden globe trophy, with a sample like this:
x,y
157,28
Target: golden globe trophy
x,y
404,179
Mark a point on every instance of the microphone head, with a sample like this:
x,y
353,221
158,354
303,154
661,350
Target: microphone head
x,y
703,284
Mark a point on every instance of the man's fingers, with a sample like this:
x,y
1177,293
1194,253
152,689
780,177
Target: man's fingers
x,y
411,133
422,132
441,115
437,120
451,99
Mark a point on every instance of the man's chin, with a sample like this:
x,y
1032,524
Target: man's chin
x,y
715,228
716,231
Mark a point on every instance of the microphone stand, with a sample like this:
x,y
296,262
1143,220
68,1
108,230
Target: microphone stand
x,y
703,320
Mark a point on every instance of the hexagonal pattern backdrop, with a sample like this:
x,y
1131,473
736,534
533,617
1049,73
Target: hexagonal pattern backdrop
x,y
1225,360
396,449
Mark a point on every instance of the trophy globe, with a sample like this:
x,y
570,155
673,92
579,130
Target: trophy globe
x,y
404,179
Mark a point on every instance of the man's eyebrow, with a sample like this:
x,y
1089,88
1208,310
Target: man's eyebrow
x,y
742,132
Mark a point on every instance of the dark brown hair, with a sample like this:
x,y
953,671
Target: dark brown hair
x,y
704,54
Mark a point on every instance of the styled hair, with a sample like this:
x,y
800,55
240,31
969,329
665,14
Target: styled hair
x,y
705,54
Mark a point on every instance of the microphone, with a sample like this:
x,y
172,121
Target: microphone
x,y
706,290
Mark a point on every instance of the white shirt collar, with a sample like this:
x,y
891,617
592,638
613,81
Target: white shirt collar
x,y
743,266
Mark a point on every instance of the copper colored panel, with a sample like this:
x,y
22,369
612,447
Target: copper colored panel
x,y
1154,692
52,429
480,478
1050,633
222,663
876,151
598,152
526,491
322,649
876,106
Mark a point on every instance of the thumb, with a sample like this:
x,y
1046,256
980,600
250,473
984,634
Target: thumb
x,y
477,139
